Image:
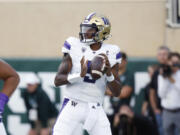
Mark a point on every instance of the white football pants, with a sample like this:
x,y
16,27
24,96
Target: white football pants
x,y
2,129
75,113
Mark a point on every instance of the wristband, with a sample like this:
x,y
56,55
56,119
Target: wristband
x,y
72,78
3,100
110,78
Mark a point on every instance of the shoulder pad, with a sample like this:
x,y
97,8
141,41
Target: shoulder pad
x,y
69,43
114,54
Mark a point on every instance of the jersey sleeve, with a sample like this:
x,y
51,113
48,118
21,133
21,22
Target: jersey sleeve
x,y
67,47
115,56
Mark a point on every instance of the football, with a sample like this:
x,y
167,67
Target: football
x,y
97,67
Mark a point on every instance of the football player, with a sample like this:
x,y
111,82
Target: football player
x,y
84,96
11,80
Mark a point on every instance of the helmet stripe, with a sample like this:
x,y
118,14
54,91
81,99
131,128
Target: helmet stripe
x,y
118,55
105,21
90,16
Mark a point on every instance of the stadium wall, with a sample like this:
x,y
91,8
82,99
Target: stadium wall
x,y
38,28
15,117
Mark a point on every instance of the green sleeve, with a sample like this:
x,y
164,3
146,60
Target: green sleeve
x,y
130,80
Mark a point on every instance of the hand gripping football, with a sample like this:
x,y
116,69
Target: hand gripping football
x,y
97,67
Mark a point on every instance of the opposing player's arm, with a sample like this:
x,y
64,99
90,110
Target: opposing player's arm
x,y
10,78
126,91
63,71
115,85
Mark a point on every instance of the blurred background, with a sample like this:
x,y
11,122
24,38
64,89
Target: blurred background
x,y
32,33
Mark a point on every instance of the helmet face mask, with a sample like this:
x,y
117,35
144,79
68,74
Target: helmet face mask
x,y
88,33
95,28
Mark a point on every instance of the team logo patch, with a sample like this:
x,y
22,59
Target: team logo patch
x,y
83,49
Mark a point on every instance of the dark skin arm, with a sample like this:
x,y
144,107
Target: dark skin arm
x,y
64,69
114,86
10,78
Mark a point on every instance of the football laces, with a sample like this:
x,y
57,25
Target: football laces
x,y
104,65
